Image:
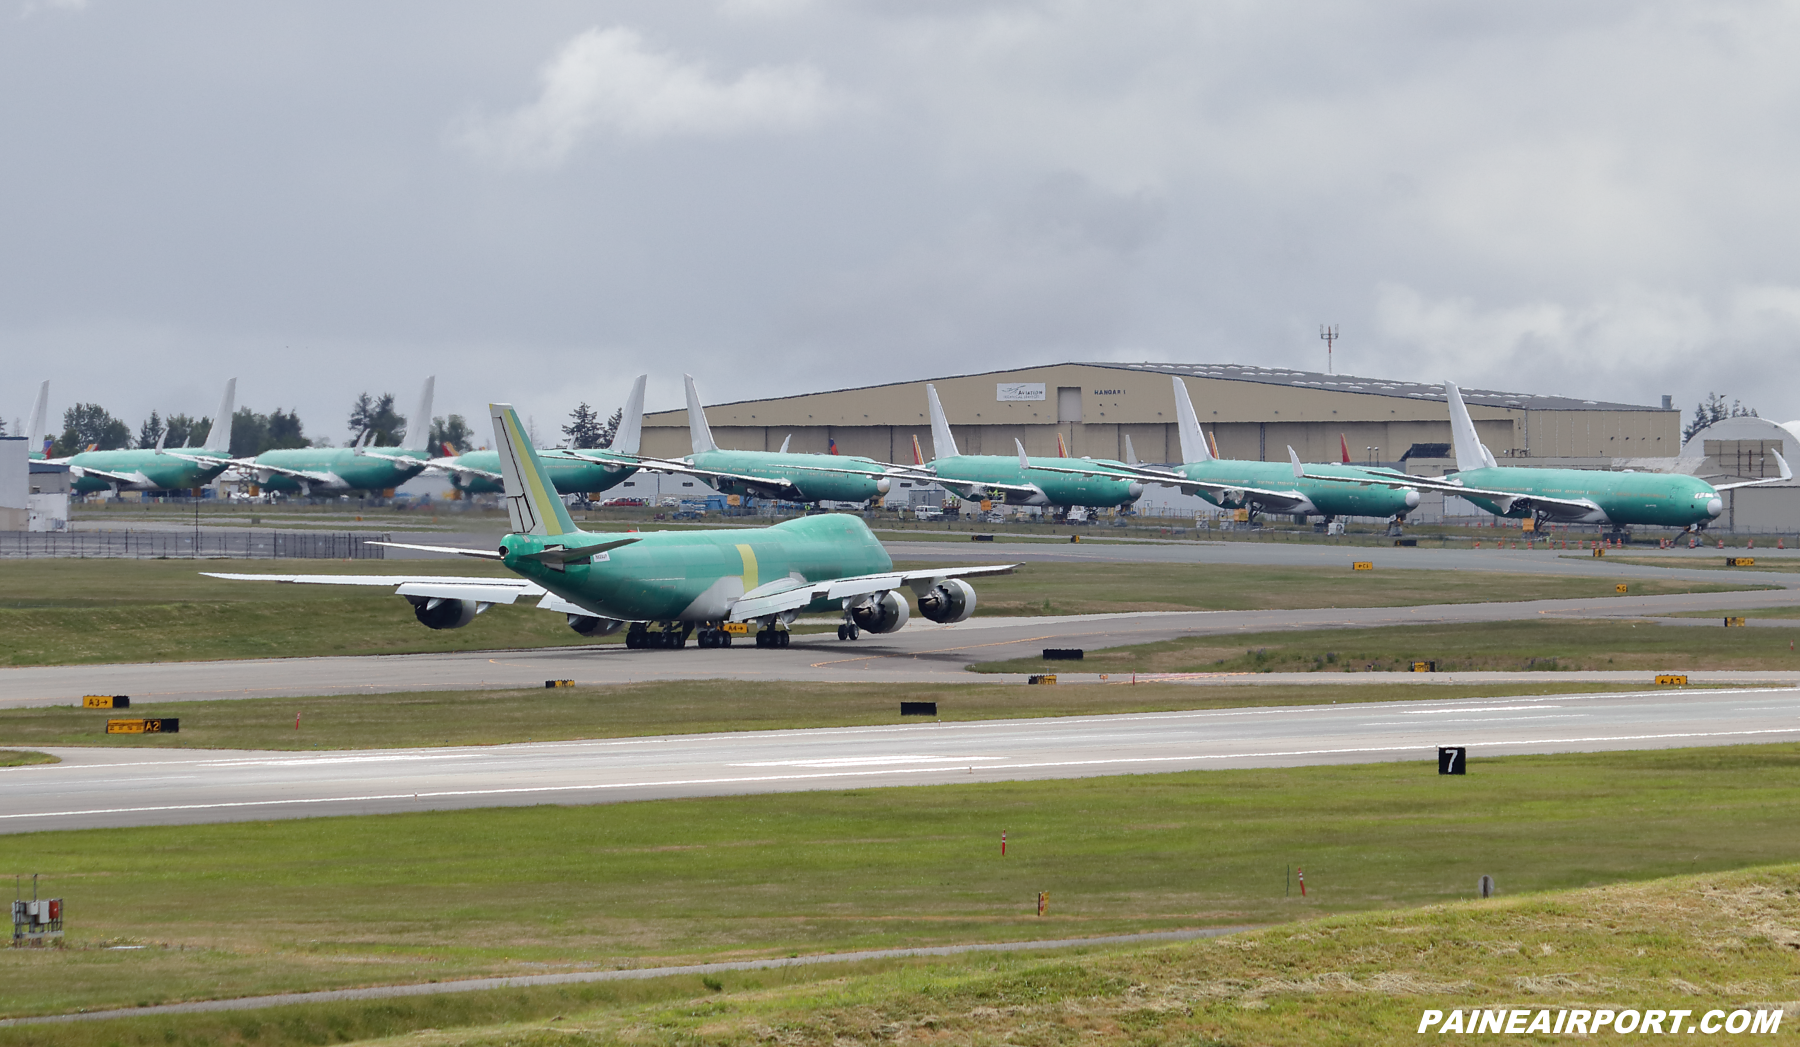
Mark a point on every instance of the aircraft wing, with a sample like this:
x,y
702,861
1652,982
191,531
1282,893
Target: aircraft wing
x,y
1507,500
450,465
1786,474
775,483
404,459
792,597
222,463
309,475
478,590
106,474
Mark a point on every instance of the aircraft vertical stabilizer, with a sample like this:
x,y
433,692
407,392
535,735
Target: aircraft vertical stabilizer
x,y
1470,454
631,424
943,444
34,435
218,438
1131,457
418,427
532,503
698,431
1344,448
1193,444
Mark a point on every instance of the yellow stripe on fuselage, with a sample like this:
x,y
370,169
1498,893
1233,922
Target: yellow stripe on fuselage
x,y
749,557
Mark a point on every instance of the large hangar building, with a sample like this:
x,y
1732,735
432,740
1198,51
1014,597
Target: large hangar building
x,y
1252,412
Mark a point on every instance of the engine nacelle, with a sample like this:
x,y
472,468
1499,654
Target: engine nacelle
x,y
590,625
884,614
436,613
948,602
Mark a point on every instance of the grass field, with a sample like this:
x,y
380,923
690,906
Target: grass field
x,y
252,907
360,721
1711,563
1542,644
24,758
56,612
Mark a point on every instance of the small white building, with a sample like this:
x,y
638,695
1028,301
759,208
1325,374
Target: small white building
x,y
49,497
15,490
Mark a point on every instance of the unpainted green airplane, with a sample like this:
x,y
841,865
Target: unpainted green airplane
x,y
1578,496
682,581
572,470
156,468
1267,486
314,470
794,477
1022,480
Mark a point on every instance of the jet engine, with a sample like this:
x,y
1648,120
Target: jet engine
x,y
949,602
884,614
436,613
590,625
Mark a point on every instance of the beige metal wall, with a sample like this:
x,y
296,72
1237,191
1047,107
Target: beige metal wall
x,y
1250,420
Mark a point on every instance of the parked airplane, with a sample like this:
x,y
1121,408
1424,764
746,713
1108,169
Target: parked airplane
x,y
573,470
1268,486
155,468
771,474
1583,496
312,470
1022,480
682,581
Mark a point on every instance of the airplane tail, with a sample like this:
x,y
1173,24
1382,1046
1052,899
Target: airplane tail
x,y
1131,457
532,504
631,424
218,438
1193,442
1470,453
1062,449
1344,448
943,444
918,455
418,427
788,439
698,431
36,433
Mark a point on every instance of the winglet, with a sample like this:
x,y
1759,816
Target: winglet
x,y
1024,462
943,443
1299,470
1470,454
1193,443
698,431
1131,457
35,433
531,500
1786,473
418,427
218,438
631,423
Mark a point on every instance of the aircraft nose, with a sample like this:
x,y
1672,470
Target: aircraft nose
x,y
1715,507
1412,498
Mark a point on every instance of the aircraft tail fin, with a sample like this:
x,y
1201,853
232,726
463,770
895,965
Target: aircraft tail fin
x,y
918,455
1062,449
418,427
698,431
1470,454
1214,436
631,423
1193,442
1131,457
218,438
1024,462
943,443
1344,448
788,439
35,432
532,504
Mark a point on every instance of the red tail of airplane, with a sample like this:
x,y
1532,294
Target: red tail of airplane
x,y
833,445
1344,445
1215,443
1062,449
918,456
449,452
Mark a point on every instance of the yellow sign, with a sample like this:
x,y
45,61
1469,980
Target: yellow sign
x,y
987,505
1240,515
734,500
1621,587
1672,680
105,701
1041,678
154,726
738,628
1529,526
1731,622
1424,667
1740,561
1362,565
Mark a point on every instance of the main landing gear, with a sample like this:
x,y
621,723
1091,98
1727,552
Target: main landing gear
x,y
776,637
848,631
671,635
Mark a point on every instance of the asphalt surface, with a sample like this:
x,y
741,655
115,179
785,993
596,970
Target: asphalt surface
x,y
95,787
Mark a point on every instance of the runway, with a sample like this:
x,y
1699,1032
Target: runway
x,y
123,787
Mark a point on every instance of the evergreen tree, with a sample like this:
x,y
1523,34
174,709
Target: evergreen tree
x,y
584,429
286,430
87,425
610,431
1713,409
151,431
453,431
369,413
185,431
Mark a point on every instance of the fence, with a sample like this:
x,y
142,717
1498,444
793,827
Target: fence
x,y
204,544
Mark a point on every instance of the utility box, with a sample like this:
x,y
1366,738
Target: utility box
x,y
37,921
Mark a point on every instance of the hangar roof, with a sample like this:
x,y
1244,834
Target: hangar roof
x,y
1373,386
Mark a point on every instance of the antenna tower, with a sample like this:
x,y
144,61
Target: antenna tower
x,y
1330,334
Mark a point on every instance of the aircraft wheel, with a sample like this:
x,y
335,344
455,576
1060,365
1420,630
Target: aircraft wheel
x,y
841,634
781,638
724,639
851,631
762,638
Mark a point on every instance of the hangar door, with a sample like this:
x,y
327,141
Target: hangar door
x,y
1068,403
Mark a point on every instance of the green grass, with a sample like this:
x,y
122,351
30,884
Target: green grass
x,y
481,717
61,612
255,907
1541,644
25,758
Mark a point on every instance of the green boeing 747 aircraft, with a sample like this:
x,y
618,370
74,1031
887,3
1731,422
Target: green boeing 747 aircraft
x,y
1264,486
154,468
771,474
573,470
333,470
1581,496
681,581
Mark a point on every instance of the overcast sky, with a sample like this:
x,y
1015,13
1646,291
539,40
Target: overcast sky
x,y
536,202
